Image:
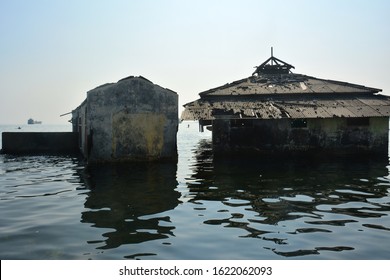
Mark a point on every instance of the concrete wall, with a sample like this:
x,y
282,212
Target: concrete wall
x,y
133,119
79,122
333,135
39,143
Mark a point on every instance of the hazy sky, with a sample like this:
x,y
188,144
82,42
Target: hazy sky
x,y
53,52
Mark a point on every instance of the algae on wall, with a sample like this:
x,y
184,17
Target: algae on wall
x,y
138,135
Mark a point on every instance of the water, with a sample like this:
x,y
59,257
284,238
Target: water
x,y
200,208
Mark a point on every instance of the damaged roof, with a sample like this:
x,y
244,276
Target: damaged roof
x,y
379,106
273,92
285,84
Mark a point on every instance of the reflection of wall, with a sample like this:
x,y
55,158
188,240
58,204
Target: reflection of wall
x,y
122,197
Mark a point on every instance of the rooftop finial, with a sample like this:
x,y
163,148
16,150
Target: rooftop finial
x,y
273,65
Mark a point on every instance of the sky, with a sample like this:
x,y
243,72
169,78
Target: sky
x,y
53,52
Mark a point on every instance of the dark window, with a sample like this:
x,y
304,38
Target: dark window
x,y
358,121
298,123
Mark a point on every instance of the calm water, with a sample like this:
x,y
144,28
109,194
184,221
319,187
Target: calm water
x,y
200,208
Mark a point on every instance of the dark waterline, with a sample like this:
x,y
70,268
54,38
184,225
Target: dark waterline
x,y
199,208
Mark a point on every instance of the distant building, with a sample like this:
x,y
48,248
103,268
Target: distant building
x,y
132,119
277,111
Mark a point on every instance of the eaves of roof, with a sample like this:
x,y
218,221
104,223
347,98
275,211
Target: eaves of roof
x,y
345,106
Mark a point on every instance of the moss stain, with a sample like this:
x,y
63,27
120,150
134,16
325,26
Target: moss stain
x,y
137,134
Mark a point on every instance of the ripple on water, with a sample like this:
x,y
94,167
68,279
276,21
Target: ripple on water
x,y
235,202
298,198
349,191
202,208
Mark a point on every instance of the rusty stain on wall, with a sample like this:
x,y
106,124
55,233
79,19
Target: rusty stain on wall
x,y
137,135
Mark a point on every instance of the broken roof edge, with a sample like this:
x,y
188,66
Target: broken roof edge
x,y
147,80
81,104
119,81
129,78
282,98
134,77
276,109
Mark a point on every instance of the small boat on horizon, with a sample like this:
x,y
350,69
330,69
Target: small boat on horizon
x,y
31,121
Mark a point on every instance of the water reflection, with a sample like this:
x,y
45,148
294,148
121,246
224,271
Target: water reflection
x,y
123,198
277,200
201,208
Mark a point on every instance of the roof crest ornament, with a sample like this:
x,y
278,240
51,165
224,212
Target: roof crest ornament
x,y
272,66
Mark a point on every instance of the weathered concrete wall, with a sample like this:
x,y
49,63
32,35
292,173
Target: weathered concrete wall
x,y
333,135
133,119
79,122
138,134
39,143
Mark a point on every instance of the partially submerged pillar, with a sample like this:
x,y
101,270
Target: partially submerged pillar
x,y
132,119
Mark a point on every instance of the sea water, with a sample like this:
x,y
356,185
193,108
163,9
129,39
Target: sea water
x,y
54,207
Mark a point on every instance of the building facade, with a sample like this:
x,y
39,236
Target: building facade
x,y
132,119
277,111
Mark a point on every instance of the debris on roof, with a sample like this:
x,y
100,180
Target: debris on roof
x,y
274,92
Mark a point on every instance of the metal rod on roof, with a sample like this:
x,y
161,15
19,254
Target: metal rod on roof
x,y
65,114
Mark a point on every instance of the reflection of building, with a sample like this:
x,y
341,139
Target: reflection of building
x,y
281,190
275,110
124,197
129,120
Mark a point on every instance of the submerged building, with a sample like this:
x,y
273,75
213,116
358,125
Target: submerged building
x,y
132,119
277,111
